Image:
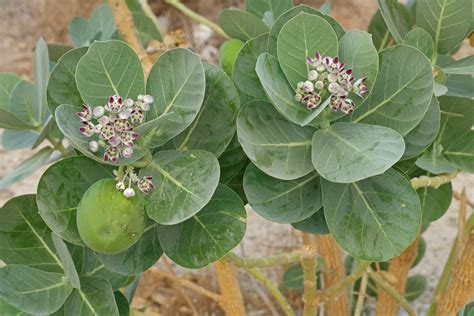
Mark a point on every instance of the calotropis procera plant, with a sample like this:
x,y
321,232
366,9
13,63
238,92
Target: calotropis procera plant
x,y
152,160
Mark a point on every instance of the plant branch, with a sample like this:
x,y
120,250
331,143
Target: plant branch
x,y
457,196
149,12
393,293
58,146
197,17
361,295
309,263
198,289
285,306
263,262
231,297
434,182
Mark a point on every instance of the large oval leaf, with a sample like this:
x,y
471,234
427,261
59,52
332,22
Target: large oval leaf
x,y
18,139
396,17
404,89
420,39
109,68
228,54
260,7
94,298
61,188
7,84
214,127
211,234
419,138
244,76
288,15
279,148
185,182
241,24
139,257
67,261
315,224
302,36
435,202
32,290
24,237
25,104
280,92
282,201
62,88
69,125
177,84
448,22
374,219
348,152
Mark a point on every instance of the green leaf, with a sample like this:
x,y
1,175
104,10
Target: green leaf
x,y
293,278
374,219
69,125
420,39
279,92
25,104
415,287
279,148
348,152
302,36
49,129
139,257
282,201
406,79
41,78
109,68
62,88
146,28
379,30
357,52
461,152
233,163
102,22
80,31
460,86
241,24
447,21
435,202
288,15
421,252
89,265
211,234
177,84
9,310
32,290
95,297
244,76
464,66
435,163
122,304
214,127
8,120
185,183
396,17
61,188
57,50
7,84
439,89
260,7
316,224
66,259
13,139
228,54
26,167
419,138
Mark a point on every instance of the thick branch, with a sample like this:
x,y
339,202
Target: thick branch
x,y
231,297
393,293
263,262
309,263
434,182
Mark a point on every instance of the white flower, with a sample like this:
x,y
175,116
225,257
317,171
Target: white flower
x,y
128,193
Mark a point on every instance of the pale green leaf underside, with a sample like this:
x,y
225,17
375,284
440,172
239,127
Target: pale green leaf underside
x,y
464,66
374,219
276,146
241,24
185,182
210,234
8,82
348,152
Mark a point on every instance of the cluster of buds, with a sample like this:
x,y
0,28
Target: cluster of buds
x,y
112,125
328,76
130,178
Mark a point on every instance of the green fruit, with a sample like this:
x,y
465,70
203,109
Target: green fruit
x,y
107,221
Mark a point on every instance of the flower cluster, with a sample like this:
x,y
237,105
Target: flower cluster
x,y
144,184
113,124
328,76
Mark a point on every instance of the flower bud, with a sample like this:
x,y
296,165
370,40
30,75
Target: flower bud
x,y
148,99
129,103
140,97
298,97
127,152
125,114
128,193
319,85
333,87
120,186
300,85
94,146
313,75
308,86
99,111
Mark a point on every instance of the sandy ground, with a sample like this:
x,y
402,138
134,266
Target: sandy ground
x,y
22,21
